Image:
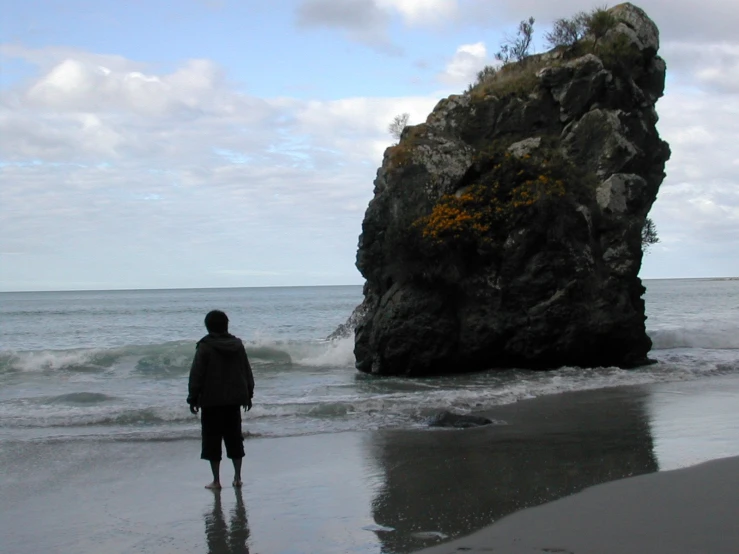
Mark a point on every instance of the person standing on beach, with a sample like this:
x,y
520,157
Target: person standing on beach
x,y
221,382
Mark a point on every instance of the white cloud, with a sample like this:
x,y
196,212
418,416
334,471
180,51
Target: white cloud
x,y
423,12
46,58
78,84
367,21
113,165
161,169
705,21
357,127
714,66
361,20
697,210
77,112
464,65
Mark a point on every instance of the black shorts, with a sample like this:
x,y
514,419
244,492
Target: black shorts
x,y
221,423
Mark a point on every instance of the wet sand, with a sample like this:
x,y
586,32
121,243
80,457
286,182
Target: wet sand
x,y
390,491
684,511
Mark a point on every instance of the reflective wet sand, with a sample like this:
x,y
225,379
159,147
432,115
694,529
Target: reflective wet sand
x,y
391,491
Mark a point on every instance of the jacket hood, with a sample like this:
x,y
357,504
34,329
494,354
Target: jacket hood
x,y
225,342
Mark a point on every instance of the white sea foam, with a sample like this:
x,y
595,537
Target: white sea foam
x,y
334,353
50,360
714,335
318,403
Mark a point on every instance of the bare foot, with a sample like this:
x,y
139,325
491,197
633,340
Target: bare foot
x,y
237,483
215,485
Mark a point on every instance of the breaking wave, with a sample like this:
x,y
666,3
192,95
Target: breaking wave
x,y
174,358
712,335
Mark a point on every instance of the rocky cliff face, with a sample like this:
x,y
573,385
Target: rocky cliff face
x,y
506,229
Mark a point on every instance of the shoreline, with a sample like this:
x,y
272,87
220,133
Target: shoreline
x,y
682,511
368,492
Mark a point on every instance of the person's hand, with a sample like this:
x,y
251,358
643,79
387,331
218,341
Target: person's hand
x,y
247,406
194,409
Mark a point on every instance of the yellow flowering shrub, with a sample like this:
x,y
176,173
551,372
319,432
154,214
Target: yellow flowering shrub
x,y
478,214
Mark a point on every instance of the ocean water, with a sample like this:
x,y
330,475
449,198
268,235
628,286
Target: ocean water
x,y
113,365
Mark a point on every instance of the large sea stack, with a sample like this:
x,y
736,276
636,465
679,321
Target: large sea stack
x,y
505,231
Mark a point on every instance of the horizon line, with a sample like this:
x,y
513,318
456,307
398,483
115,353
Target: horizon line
x,y
129,289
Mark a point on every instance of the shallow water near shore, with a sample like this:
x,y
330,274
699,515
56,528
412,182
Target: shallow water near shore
x,y
390,491
112,365
99,451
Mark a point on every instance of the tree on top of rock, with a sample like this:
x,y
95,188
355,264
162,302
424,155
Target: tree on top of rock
x,y
517,48
568,32
397,125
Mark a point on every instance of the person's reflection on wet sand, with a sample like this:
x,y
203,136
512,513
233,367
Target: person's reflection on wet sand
x,y
227,539
239,534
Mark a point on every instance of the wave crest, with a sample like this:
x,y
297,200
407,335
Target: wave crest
x,y
83,360
710,337
174,358
81,398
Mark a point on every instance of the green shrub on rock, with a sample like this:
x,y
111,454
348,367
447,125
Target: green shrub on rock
x,y
567,32
571,32
517,49
598,23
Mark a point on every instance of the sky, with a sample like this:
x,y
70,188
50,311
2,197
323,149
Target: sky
x,y
225,143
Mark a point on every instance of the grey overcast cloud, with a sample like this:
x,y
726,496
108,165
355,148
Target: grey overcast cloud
x,y
226,144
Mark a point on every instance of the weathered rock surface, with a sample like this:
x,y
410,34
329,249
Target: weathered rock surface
x,y
506,230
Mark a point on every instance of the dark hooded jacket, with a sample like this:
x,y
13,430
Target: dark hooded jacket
x,y
220,374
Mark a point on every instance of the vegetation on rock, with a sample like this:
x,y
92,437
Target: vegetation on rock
x,y
570,37
397,125
401,154
649,234
569,31
512,79
598,23
479,214
508,230
516,49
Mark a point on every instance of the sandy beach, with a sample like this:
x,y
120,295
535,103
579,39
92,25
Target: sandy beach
x,y
403,491
684,511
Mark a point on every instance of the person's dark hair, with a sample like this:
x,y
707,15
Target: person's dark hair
x,y
216,322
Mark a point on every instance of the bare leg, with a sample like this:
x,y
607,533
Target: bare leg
x,y
215,467
237,471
